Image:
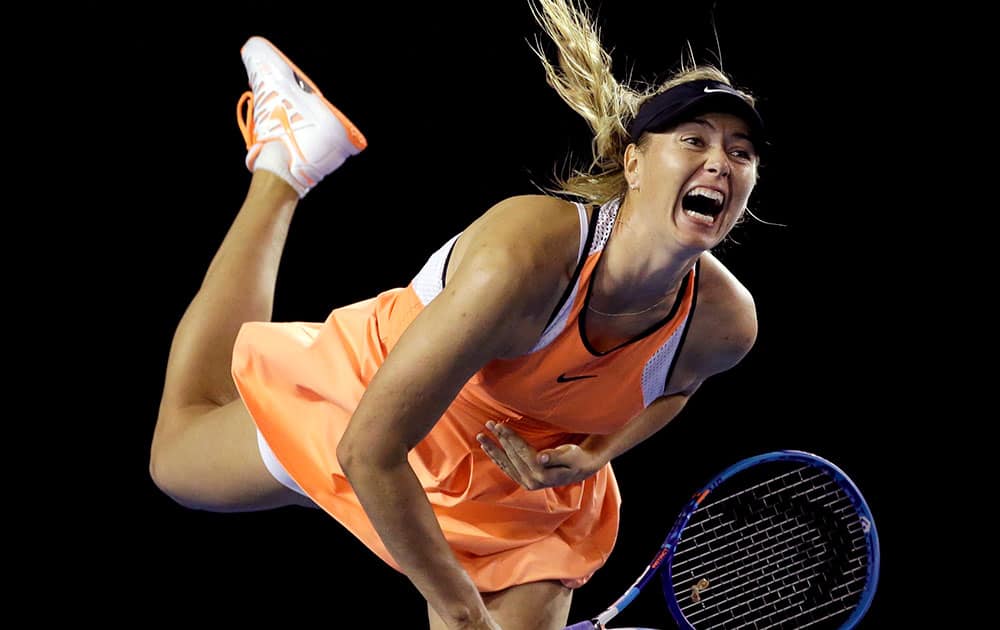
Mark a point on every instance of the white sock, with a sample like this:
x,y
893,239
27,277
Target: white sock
x,y
273,157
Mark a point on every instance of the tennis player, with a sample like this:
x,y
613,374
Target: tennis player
x,y
462,426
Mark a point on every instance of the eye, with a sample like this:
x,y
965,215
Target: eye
x,y
742,154
694,141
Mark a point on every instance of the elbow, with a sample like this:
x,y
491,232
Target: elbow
x,y
348,455
353,453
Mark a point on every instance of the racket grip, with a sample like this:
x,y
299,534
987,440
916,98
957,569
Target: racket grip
x,y
583,625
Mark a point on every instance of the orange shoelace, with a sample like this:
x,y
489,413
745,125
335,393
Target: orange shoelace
x,y
245,121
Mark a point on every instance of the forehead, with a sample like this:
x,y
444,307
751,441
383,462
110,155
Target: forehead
x,y
717,121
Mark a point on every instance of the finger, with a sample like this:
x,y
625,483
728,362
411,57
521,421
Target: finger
x,y
519,453
498,455
513,444
491,448
557,457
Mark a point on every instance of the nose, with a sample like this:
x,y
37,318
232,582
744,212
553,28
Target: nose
x,y
718,162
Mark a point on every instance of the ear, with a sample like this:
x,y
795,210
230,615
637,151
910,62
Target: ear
x,y
631,167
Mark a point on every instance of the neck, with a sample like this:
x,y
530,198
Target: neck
x,y
638,267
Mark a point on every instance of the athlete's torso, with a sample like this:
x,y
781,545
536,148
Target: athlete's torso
x,y
564,384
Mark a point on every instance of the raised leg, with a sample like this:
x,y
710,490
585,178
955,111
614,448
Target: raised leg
x,y
204,450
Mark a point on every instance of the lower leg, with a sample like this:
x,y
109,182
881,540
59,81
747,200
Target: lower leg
x,y
238,287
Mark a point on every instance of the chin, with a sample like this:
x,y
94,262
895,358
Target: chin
x,y
699,235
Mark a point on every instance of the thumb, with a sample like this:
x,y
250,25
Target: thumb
x,y
555,456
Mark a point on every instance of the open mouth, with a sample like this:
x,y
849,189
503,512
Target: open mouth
x,y
703,204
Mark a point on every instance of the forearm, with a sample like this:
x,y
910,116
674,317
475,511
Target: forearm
x,y
398,508
642,426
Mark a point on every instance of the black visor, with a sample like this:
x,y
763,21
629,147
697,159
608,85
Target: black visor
x,y
683,102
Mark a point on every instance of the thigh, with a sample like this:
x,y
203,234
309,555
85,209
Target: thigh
x,y
533,606
207,457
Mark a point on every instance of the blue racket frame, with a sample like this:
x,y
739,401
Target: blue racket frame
x,y
666,551
670,544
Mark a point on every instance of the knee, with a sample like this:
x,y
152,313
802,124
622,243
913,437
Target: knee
x,y
169,472
166,477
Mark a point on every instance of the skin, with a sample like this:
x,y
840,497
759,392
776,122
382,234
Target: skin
x,y
646,252
501,287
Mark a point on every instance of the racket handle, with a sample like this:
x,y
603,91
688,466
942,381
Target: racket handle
x,y
583,625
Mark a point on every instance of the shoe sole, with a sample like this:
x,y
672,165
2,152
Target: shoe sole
x,y
354,134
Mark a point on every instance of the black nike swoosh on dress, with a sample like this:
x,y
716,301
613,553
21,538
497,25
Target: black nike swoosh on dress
x,y
565,379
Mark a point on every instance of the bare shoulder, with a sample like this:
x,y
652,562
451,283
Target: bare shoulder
x,y
516,261
531,232
527,219
725,321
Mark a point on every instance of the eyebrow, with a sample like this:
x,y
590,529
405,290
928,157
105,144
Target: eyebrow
x,y
743,136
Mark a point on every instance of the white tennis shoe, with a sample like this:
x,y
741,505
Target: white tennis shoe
x,y
286,106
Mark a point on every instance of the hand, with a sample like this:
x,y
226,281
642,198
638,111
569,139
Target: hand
x,y
549,468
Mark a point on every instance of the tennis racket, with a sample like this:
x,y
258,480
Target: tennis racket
x,y
781,540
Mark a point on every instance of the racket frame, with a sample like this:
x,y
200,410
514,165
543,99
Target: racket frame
x,y
664,556
838,475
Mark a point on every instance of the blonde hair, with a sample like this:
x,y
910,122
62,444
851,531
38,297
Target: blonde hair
x,y
583,79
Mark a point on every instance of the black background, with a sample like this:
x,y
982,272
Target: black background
x,y
458,116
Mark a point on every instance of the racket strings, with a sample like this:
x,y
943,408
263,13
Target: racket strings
x,y
812,612
714,545
734,564
793,577
706,542
704,538
785,550
771,601
737,577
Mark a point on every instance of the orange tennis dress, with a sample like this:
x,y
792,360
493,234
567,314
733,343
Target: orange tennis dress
x,y
302,381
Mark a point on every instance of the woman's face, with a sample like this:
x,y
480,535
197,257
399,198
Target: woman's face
x,y
701,173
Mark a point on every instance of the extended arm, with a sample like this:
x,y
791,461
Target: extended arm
x,y
490,307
